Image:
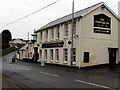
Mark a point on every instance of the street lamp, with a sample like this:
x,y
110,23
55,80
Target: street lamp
x,y
72,34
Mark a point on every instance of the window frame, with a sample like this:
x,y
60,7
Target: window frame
x,y
66,29
57,54
41,33
40,54
74,28
45,54
52,33
51,54
65,52
74,54
58,31
86,57
46,34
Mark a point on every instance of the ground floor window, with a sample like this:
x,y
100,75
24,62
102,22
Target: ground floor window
x,y
86,57
45,54
57,54
40,54
74,54
30,54
51,54
65,52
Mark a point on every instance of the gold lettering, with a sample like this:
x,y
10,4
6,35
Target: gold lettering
x,y
103,22
102,19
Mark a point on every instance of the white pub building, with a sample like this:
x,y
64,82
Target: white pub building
x,y
95,38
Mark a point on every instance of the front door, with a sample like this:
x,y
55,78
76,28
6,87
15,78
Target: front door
x,y
112,56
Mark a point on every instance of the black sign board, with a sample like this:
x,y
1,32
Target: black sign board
x,y
52,45
101,20
104,31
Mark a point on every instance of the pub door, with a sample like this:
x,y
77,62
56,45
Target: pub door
x,y
35,54
112,56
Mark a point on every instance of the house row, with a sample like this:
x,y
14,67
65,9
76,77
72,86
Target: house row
x,y
95,39
17,42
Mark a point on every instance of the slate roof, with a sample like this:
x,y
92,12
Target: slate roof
x,y
76,14
24,47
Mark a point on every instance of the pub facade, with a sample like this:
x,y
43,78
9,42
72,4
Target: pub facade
x,y
95,38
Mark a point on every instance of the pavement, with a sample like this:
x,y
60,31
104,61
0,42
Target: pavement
x,y
7,83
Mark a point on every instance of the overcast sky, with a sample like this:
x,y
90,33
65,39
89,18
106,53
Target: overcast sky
x,y
12,10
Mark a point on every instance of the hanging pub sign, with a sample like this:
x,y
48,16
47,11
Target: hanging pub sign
x,y
52,44
101,20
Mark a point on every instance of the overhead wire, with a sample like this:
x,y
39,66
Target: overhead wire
x,y
32,13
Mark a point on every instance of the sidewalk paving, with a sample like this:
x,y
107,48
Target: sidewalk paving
x,y
6,83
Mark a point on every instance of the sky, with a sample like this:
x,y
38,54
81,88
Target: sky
x,y
12,10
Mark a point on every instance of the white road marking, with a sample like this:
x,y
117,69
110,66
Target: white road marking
x,y
50,74
23,68
92,84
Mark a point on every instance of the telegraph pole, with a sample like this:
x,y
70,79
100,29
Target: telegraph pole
x,y
72,34
28,35
119,28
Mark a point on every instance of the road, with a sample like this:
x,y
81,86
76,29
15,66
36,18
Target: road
x,y
32,75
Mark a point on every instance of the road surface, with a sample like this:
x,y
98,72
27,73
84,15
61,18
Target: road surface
x,y
32,75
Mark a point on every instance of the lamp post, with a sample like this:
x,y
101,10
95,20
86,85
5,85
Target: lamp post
x,y
72,33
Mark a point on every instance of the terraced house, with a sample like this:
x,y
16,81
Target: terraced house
x,y
95,38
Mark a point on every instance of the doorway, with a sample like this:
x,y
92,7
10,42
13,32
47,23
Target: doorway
x,y
112,56
36,55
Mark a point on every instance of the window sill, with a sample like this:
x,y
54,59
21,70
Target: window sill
x,y
65,62
57,61
51,39
74,63
57,39
51,60
65,38
46,40
75,36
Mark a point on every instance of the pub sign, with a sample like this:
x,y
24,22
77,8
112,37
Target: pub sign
x,y
101,20
52,44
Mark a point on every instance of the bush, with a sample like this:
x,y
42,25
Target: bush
x,y
6,51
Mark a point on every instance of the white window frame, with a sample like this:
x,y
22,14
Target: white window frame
x,y
74,55
51,54
41,33
45,54
30,54
66,29
58,31
46,34
74,28
65,52
57,55
52,33
40,54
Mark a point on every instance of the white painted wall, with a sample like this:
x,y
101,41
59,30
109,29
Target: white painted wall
x,y
87,41
96,43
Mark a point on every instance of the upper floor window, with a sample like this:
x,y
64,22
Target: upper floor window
x,y
58,32
52,33
66,29
46,34
41,35
74,28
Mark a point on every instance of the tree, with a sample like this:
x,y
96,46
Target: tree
x,y
6,38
